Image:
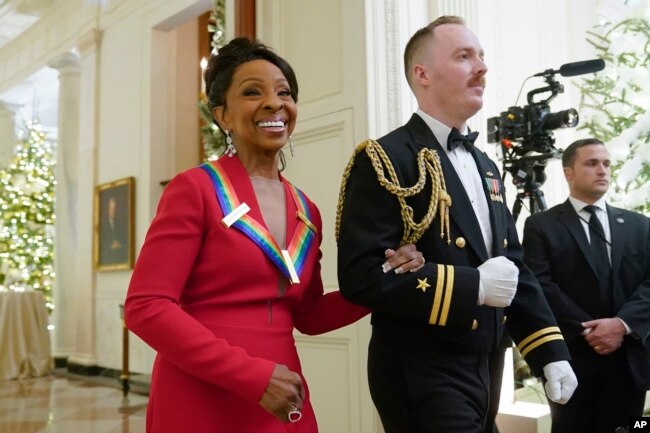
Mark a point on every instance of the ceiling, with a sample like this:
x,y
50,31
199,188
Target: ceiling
x,y
36,96
17,15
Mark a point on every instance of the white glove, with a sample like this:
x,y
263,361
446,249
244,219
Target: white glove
x,y
560,381
498,283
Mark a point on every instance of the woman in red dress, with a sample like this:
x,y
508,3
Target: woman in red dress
x,y
231,265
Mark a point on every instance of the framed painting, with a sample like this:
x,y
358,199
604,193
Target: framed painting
x,y
113,222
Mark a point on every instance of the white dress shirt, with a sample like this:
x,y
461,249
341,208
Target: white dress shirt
x,y
467,171
601,213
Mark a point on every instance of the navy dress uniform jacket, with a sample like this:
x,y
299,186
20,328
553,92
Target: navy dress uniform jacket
x,y
436,306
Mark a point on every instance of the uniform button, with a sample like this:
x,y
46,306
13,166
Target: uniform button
x,y
504,320
474,325
460,242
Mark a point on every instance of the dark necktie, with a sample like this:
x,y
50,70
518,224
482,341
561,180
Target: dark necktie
x,y
456,139
600,257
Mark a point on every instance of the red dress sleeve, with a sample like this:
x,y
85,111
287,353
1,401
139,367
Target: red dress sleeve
x,y
320,312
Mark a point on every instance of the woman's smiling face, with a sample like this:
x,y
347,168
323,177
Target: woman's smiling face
x,y
259,111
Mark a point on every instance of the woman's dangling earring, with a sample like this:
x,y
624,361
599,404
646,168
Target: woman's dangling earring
x,y
230,148
291,146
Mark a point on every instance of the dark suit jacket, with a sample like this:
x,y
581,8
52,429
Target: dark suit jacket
x,y
557,250
445,314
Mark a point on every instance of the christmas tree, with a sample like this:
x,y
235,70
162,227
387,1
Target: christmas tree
x,y
614,105
214,140
27,216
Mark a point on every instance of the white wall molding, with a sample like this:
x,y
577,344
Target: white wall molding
x,y
34,7
329,362
89,41
382,50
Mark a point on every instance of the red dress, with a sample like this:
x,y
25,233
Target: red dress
x,y
205,297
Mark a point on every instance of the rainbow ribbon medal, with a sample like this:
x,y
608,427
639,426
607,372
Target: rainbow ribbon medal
x,y
494,189
290,261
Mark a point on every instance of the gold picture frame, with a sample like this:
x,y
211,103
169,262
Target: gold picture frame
x,y
113,225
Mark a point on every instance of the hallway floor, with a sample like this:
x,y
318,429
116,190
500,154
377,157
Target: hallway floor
x,y
56,404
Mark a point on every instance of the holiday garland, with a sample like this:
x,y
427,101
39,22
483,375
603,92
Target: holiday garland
x,y
214,140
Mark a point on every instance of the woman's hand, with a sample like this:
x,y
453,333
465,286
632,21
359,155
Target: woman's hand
x,y
406,258
283,394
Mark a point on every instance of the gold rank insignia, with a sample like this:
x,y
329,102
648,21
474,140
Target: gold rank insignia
x,y
538,338
442,295
423,284
460,242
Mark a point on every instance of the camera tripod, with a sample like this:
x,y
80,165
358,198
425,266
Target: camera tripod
x,y
537,203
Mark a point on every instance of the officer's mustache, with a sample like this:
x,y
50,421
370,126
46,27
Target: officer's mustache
x,y
480,81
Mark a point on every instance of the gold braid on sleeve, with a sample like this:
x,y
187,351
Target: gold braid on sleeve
x,y
428,163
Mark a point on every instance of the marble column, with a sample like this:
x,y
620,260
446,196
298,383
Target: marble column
x,y
65,245
8,137
83,319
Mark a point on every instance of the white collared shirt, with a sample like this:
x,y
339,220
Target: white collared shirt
x,y
467,171
601,213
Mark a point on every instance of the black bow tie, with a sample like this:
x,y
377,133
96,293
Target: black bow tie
x,y
456,139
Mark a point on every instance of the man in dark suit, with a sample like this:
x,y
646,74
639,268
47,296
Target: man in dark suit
x,y
433,329
595,274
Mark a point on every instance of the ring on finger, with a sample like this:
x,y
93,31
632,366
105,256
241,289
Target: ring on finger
x,y
294,415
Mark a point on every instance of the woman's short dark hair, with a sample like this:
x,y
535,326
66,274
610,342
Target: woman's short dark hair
x,y
222,66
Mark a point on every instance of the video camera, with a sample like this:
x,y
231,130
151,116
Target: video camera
x,y
525,135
